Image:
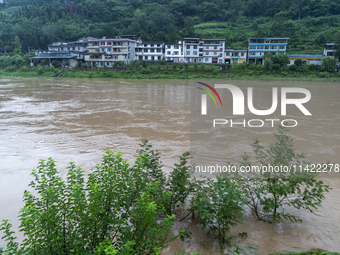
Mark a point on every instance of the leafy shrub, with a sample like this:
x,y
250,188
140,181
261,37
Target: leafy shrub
x,y
293,67
298,62
312,67
145,71
219,205
40,70
259,68
324,75
276,67
11,69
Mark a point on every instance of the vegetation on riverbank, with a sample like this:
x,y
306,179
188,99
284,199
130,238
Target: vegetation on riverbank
x,y
273,68
130,209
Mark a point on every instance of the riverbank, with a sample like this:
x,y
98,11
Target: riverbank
x,y
156,73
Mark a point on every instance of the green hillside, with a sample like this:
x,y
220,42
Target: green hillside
x,y
309,23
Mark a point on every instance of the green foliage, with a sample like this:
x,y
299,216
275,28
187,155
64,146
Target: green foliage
x,y
11,69
298,62
17,49
117,211
272,191
219,205
328,64
293,67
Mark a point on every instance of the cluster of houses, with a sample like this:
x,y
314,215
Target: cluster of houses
x,y
106,52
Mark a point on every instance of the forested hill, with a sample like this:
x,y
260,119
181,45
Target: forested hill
x,y
309,23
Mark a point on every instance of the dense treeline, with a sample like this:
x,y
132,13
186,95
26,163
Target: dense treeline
x,y
39,22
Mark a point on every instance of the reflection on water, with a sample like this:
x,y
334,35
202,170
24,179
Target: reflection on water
x,y
77,120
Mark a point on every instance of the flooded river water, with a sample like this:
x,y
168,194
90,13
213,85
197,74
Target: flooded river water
x,y
77,120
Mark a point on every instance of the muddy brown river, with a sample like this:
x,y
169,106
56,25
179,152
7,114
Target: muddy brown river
x,y
78,119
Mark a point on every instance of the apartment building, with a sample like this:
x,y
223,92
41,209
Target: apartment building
x,y
77,48
173,52
213,51
150,50
231,56
259,46
106,52
193,50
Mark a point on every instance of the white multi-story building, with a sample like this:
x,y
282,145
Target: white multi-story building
x,y
193,50
213,51
105,52
173,52
150,50
231,55
259,46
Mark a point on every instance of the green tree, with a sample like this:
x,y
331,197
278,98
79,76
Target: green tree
x,y
273,191
328,64
219,205
17,49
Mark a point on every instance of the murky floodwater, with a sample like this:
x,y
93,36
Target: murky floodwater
x,y
77,120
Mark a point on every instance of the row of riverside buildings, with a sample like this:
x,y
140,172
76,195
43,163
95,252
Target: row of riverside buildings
x,y
106,52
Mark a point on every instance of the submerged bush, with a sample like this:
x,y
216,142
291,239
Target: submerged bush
x,y
117,209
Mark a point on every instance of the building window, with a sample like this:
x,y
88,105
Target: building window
x,y
176,47
158,45
195,52
152,50
260,47
168,52
145,45
227,53
273,47
159,50
215,53
159,57
206,59
215,47
145,50
236,54
195,47
176,53
207,47
220,60
188,52
282,47
102,43
102,49
206,53
242,54
267,41
266,47
108,49
252,47
168,46
151,45
108,43
146,57
95,44
188,47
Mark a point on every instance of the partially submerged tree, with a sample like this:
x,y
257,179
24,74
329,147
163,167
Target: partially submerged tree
x,y
270,192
